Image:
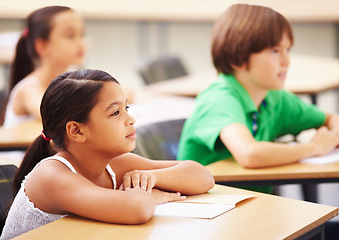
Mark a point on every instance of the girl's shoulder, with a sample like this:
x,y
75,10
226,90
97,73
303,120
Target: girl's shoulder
x,y
49,167
29,83
30,80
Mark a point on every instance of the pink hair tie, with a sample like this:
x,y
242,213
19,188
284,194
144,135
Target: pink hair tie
x,y
25,32
43,135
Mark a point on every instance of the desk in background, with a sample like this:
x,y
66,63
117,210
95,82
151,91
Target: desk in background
x,y
13,140
263,217
306,75
229,172
20,136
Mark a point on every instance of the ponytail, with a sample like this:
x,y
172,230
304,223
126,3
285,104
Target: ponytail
x,y
22,65
37,151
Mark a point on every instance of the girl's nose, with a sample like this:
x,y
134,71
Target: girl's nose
x,y
130,120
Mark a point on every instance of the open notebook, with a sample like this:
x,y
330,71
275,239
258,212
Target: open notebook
x,y
333,156
205,206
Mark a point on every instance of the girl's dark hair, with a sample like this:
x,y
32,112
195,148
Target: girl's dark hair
x,y
70,97
245,29
38,26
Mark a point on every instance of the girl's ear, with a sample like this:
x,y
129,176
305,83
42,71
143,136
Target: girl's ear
x,y
40,47
74,131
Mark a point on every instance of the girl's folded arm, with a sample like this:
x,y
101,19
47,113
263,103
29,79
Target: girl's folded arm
x,y
72,193
186,177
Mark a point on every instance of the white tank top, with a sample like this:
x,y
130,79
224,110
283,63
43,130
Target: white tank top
x,y
11,118
23,216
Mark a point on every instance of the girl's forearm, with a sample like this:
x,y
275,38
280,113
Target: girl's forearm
x,y
187,177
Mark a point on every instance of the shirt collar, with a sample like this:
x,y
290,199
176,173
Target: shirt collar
x,y
232,83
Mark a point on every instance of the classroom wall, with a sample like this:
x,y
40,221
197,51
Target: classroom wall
x,y
114,46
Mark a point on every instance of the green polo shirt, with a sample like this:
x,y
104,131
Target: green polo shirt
x,y
226,102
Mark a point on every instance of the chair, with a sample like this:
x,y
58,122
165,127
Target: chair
x,y
7,173
160,140
161,68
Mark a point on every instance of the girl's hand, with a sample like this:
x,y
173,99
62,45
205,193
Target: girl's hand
x,y
161,197
138,179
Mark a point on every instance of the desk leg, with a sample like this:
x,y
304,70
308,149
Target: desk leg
x,y
317,233
310,192
313,98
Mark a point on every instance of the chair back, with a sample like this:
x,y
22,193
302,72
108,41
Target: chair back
x,y
7,173
161,68
160,140
3,105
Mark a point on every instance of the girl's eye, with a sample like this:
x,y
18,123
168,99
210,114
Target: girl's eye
x,y
116,113
127,107
70,34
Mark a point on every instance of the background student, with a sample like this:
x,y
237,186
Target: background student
x,y
242,113
51,42
88,170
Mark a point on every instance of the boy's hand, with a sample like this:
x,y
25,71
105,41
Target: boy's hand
x,y
325,140
138,179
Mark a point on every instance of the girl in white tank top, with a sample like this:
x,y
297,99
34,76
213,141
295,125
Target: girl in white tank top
x,y
88,133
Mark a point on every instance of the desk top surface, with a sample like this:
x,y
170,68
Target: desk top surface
x,y
176,10
230,170
263,217
19,136
306,75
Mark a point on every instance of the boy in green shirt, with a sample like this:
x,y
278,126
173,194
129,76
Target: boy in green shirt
x,y
242,113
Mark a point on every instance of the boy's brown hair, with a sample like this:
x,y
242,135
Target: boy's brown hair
x,y
245,29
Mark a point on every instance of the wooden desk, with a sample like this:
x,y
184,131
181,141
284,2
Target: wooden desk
x,y
307,75
19,137
263,217
231,173
7,55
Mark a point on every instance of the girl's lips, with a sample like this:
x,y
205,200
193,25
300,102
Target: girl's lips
x,y
132,135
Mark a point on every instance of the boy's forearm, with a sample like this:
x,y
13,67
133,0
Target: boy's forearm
x,y
270,154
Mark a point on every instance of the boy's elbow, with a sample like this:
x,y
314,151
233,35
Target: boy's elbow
x,y
250,160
